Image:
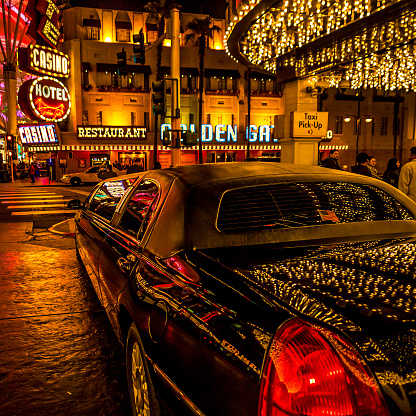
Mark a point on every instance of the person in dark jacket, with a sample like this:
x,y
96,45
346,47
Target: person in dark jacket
x,y
391,174
331,161
361,166
108,173
135,167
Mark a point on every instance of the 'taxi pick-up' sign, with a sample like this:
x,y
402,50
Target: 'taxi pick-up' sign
x,y
309,123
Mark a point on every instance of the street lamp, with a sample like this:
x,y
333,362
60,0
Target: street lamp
x,y
366,118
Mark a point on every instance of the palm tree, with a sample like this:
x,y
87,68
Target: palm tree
x,y
159,10
202,30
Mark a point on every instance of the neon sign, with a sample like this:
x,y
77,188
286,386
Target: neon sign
x,y
111,132
48,28
38,134
45,99
223,133
38,59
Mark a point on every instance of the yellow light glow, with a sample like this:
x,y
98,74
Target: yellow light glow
x,y
107,39
167,42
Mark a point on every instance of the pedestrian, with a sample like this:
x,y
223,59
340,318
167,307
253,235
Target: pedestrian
x,y
32,171
135,167
391,174
372,166
407,177
108,173
361,166
331,161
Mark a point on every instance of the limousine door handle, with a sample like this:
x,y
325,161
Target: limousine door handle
x,y
126,264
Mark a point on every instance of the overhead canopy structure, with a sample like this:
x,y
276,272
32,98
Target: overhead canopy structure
x,y
368,42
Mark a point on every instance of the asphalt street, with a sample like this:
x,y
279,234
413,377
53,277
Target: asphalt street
x,y
58,352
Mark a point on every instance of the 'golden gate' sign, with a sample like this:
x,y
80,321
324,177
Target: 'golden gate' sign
x,y
45,99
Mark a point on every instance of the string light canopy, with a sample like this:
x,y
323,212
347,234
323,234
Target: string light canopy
x,y
369,43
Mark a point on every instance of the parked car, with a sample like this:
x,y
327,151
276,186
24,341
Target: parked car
x,y
257,288
89,176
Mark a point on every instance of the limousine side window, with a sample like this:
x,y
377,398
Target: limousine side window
x,y
140,209
105,200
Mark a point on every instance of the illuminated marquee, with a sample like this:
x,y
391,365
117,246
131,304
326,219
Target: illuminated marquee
x,y
222,133
47,27
45,99
43,60
111,132
38,134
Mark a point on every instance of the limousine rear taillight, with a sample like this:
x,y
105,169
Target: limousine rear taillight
x,y
311,371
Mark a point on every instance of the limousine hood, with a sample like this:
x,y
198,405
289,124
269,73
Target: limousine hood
x,y
365,290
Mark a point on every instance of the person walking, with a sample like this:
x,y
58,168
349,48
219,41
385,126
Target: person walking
x,y
372,166
407,177
361,167
391,174
32,171
331,161
135,167
109,173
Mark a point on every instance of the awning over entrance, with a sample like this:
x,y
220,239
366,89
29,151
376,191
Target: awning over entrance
x,y
91,22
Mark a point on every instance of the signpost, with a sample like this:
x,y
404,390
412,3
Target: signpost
x,y
309,123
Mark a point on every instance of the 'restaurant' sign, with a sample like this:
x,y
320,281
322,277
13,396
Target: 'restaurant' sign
x,y
39,60
309,123
45,99
39,134
111,132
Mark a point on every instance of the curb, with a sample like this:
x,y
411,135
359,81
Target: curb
x,y
64,224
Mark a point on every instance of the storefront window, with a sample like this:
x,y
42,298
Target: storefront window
x,y
85,118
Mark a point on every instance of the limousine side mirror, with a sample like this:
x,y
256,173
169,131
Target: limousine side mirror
x,y
74,204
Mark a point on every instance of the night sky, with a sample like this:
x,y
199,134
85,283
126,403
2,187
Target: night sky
x,y
214,8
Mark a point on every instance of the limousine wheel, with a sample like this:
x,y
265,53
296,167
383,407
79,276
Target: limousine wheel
x,y
75,181
142,395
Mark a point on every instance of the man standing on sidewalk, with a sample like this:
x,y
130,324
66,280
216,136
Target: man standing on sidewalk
x,y
331,161
407,177
32,171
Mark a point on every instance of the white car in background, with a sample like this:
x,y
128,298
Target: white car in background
x,y
89,176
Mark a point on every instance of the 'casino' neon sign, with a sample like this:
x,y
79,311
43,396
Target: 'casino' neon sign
x,y
222,133
38,134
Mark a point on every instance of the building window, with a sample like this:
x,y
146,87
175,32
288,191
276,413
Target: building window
x,y
116,80
222,84
146,120
383,126
122,35
208,84
219,119
191,118
99,118
151,36
338,125
93,33
85,78
146,81
261,85
208,118
191,82
133,80
133,118
234,84
85,118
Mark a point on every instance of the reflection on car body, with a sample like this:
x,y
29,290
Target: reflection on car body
x,y
257,289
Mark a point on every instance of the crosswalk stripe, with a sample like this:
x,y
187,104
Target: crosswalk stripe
x,y
62,211
36,206
31,197
34,201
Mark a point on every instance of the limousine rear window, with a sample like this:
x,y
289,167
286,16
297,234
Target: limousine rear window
x,y
286,205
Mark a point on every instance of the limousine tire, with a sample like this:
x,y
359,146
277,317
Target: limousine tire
x,y
142,394
75,181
